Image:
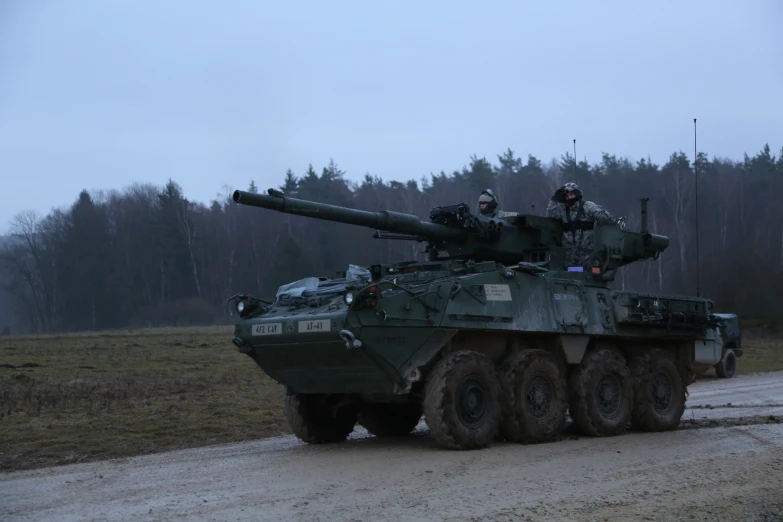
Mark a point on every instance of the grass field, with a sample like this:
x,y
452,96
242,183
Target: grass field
x,y
71,398
762,354
78,397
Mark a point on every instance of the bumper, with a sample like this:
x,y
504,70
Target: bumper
x,y
315,354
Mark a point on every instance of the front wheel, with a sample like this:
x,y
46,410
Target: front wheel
x,y
462,401
320,419
727,366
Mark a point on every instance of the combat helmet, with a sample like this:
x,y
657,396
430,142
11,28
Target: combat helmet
x,y
488,197
560,194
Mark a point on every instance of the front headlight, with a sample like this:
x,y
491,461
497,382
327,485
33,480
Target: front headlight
x,y
241,306
348,297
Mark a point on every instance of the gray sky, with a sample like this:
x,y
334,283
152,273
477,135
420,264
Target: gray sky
x,y
98,94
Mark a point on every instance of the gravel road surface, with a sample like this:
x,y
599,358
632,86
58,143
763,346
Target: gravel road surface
x,y
726,463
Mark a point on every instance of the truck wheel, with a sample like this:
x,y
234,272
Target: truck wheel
x,y
534,398
726,367
659,392
315,419
462,401
601,394
389,420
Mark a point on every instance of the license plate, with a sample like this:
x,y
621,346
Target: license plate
x,y
322,325
267,329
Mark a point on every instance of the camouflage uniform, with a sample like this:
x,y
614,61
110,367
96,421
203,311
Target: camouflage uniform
x,y
491,210
579,217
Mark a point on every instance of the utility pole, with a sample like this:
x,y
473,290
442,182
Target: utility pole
x,y
696,176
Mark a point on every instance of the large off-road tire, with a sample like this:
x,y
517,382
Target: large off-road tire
x,y
390,419
727,366
534,398
462,401
601,394
314,419
659,391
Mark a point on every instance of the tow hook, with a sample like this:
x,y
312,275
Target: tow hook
x,y
350,339
241,345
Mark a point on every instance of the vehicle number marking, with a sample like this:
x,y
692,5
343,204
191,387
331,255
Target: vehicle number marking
x,y
322,325
566,297
268,329
497,292
388,339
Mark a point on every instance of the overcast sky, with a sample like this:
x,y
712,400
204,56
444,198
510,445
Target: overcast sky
x,y
98,94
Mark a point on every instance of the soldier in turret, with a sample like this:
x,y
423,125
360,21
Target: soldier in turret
x,y
488,206
579,217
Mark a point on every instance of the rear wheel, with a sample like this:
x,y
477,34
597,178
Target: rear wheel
x,y
462,401
601,394
389,420
659,392
534,398
320,419
727,366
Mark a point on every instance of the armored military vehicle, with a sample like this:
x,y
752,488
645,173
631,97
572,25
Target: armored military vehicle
x,y
491,338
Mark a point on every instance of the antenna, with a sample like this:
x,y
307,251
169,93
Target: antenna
x,y
696,176
575,161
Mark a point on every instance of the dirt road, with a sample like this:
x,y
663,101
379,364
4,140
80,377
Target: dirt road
x,y
725,464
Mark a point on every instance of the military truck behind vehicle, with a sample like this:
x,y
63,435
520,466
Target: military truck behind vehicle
x,y
732,346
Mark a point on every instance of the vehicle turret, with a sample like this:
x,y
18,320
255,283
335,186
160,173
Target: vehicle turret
x,y
453,232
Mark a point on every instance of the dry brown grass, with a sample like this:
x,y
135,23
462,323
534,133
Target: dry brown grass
x,y
763,353
79,397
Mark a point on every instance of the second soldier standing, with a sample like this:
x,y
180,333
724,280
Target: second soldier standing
x,y
579,217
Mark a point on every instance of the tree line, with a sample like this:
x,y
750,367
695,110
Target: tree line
x,y
148,256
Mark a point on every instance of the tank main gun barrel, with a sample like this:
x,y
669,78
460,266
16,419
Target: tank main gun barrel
x,y
385,220
453,232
